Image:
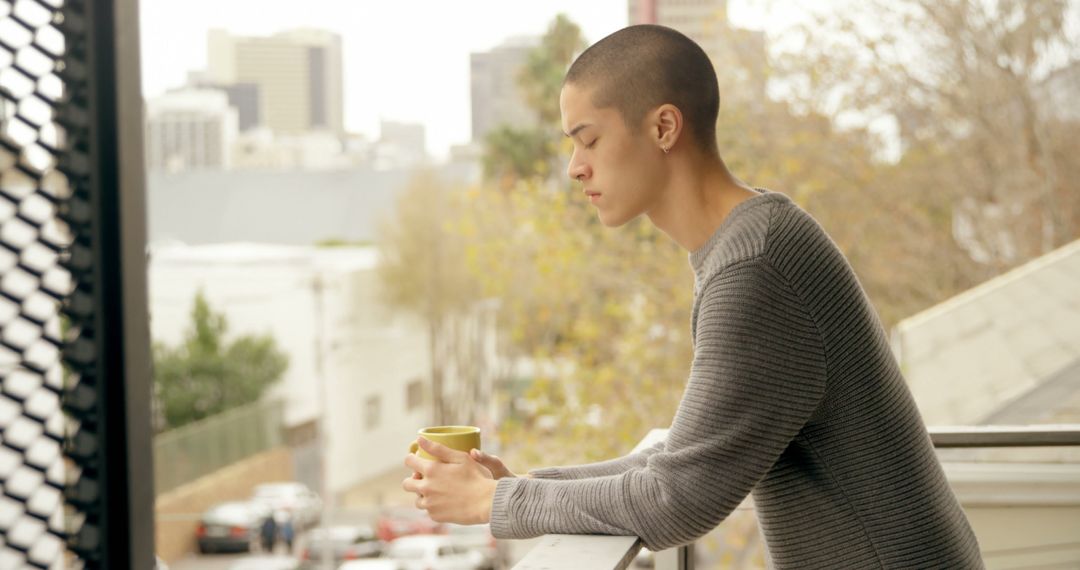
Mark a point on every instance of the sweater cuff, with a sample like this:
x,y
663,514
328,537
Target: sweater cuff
x,y
500,505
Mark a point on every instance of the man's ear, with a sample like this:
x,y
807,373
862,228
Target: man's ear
x,y
668,125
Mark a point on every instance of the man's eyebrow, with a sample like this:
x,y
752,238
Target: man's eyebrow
x,y
577,129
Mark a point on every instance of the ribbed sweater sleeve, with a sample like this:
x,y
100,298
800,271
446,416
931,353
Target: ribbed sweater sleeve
x,y
599,469
757,376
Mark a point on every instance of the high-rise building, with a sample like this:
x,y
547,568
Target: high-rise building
x,y
190,129
245,97
497,98
294,78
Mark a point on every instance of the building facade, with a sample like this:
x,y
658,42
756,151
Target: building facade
x,y
496,97
191,129
297,74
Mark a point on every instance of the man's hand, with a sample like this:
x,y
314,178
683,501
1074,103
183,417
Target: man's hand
x,y
455,489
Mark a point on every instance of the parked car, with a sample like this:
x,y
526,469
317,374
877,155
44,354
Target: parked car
x,y
476,537
432,552
230,527
345,543
266,562
394,523
295,498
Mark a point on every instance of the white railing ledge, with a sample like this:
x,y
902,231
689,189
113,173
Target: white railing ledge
x,y
581,551
600,552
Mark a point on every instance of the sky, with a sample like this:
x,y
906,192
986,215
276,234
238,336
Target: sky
x,y
404,60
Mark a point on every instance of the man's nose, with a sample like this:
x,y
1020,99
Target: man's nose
x,y
577,170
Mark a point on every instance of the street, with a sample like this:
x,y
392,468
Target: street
x,y
208,562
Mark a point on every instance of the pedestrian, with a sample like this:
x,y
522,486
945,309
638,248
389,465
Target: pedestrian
x,y
287,530
268,532
793,395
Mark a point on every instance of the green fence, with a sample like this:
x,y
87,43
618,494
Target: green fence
x,y
184,454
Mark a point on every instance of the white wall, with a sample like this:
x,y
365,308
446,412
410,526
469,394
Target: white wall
x,y
365,349
376,352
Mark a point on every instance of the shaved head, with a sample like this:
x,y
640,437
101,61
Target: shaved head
x,y
639,68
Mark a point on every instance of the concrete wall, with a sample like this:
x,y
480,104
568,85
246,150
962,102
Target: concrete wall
x,y
177,512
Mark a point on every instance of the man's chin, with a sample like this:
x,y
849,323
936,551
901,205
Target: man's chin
x,y
610,220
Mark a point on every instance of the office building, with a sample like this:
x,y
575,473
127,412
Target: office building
x,y
293,80
190,129
497,99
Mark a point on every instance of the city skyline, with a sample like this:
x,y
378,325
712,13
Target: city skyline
x,y
174,41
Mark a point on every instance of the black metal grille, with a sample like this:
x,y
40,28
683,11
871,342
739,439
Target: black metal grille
x,y
34,244
74,449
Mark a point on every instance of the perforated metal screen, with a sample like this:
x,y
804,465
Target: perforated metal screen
x,y
33,241
57,325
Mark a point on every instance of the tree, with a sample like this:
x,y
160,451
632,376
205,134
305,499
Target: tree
x,y
968,86
205,375
512,154
422,270
531,153
600,318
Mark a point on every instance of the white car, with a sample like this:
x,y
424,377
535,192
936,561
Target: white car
x,y
264,562
292,497
434,552
373,564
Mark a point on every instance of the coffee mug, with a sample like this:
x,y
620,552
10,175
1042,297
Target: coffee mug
x,y
461,438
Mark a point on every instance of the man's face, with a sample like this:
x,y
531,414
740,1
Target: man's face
x,y
619,169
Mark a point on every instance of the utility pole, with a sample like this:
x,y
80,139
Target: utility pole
x,y
327,562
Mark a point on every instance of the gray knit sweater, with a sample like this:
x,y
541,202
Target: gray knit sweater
x,y
793,395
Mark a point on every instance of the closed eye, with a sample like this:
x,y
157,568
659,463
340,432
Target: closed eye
x,y
592,144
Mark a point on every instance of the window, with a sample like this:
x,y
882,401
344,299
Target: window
x,y
371,412
414,395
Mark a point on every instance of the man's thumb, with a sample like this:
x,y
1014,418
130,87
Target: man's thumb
x,y
485,459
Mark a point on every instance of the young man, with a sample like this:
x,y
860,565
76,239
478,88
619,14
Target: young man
x,y
793,393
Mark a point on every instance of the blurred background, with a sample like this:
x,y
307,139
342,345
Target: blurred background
x,y
360,225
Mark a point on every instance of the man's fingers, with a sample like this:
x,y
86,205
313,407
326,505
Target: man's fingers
x,y
412,485
441,452
418,464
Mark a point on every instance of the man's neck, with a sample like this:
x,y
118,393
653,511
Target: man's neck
x,y
698,199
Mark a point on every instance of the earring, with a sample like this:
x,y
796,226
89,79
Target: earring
x,y
665,149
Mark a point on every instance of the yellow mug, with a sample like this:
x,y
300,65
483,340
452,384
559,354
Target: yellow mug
x,y
461,438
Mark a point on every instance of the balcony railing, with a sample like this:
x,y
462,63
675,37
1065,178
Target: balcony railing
x,y
596,552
